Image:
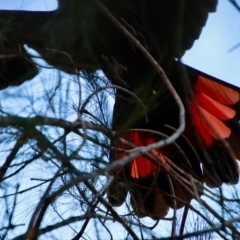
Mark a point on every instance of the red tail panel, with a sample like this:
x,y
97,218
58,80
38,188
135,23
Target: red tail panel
x,y
211,108
141,166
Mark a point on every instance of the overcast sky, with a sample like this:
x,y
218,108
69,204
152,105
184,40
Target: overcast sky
x,y
209,54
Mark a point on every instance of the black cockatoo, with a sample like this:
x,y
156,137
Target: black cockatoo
x,y
80,36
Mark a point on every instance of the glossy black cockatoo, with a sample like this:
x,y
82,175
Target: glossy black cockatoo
x,y
79,35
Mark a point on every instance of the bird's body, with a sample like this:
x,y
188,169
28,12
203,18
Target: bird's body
x,y
80,36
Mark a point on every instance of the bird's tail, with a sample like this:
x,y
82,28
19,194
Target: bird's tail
x,y
173,175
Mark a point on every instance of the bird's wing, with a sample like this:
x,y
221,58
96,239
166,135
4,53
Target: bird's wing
x,y
83,32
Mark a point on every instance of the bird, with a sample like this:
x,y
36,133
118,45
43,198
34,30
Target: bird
x,y
82,35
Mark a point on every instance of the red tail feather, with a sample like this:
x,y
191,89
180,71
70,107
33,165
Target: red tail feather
x,y
217,91
141,166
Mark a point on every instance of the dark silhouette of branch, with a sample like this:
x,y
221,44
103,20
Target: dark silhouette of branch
x,y
19,143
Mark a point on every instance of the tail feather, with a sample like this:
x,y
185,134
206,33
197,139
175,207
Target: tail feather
x,y
208,126
147,199
220,169
154,187
215,114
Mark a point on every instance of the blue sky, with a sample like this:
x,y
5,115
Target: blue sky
x,y
43,5
210,53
